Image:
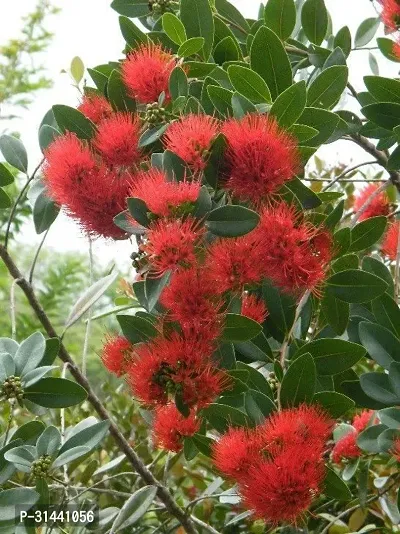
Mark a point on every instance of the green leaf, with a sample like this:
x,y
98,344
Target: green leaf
x,y
249,84
239,328
29,353
232,221
136,329
47,135
367,233
258,406
55,393
281,307
384,114
383,89
241,106
7,365
88,437
191,46
45,212
134,508
178,84
386,47
355,286
258,349
22,457
71,120
269,59
314,19
5,200
386,442
332,356
138,209
335,487
343,40
6,178
336,312
28,432
390,417
221,99
303,133
299,382
174,28
222,416
70,455
280,16
152,135
77,69
376,266
228,11
367,440
14,152
380,343
226,50
303,194
324,121
153,288
131,8
49,442
197,18
378,387
290,104
12,500
90,297
117,93
366,31
387,313
336,404
328,87
33,376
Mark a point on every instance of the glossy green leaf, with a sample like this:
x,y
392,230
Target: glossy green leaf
x,y
327,88
131,8
280,16
387,313
299,382
14,152
355,286
367,233
269,59
332,356
249,84
71,120
378,387
131,33
239,328
324,121
134,508
6,178
336,404
380,343
135,328
221,99
366,31
55,393
314,19
335,487
232,221
118,95
198,21
290,104
383,89
368,439
336,312
174,28
11,501
178,84
384,114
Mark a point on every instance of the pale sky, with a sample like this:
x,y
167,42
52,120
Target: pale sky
x,y
89,29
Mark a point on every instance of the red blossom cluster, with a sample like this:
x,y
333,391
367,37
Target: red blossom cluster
x,y
278,465
116,354
379,205
390,245
390,16
346,447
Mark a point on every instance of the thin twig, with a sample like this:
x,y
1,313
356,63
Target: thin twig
x,y
203,525
147,476
12,309
35,259
343,174
17,201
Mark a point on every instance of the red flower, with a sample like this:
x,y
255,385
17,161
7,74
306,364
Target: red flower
x,y
95,108
260,156
172,244
117,139
190,300
396,449
191,138
391,14
170,427
163,197
303,426
164,367
390,244
233,263
254,308
146,72
116,354
282,489
346,447
361,421
91,194
295,253
378,206
236,452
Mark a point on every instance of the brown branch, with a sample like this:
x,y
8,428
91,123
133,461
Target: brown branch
x,y
146,475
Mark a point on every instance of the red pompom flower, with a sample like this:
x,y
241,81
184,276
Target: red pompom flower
x,y
378,206
254,308
116,354
170,427
191,137
171,244
95,108
391,14
346,447
91,194
236,451
117,139
163,197
260,157
146,72
390,243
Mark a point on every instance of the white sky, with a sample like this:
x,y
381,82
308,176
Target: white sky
x,y
89,29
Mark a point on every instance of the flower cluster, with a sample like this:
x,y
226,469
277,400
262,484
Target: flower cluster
x,y
346,447
390,245
390,16
279,465
378,206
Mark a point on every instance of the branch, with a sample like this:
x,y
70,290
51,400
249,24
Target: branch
x,y
343,174
146,475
